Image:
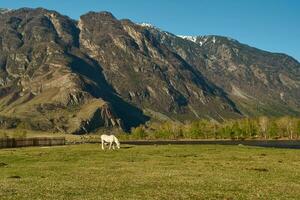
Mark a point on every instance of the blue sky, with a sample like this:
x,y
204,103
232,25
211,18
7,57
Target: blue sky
x,y
272,25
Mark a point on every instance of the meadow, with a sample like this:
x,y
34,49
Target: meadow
x,y
149,172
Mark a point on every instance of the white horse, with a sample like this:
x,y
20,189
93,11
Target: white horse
x,y
110,139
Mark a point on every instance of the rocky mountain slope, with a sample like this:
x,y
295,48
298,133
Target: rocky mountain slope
x,y
76,76
258,82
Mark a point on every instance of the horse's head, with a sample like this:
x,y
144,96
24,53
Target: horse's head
x,y
117,142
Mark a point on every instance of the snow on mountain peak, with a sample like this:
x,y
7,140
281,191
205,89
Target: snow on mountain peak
x,y
188,37
5,10
201,40
214,40
147,25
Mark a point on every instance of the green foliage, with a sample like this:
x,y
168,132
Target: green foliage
x,y
24,125
246,128
3,134
273,130
19,134
15,134
138,132
298,129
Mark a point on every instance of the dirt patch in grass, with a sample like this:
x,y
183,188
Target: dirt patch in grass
x,y
2,164
259,169
15,177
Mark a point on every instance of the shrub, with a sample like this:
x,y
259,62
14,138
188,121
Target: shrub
x,y
19,134
138,133
3,134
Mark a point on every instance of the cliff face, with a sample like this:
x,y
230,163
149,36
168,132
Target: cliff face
x,y
258,82
40,87
76,76
148,74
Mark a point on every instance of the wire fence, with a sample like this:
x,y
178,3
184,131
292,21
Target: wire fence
x,y
36,141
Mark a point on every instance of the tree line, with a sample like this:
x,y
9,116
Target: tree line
x,y
247,128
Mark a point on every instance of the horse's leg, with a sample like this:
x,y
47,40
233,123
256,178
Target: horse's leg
x,y
102,144
113,145
110,145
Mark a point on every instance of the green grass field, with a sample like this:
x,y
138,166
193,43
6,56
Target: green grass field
x,y
150,172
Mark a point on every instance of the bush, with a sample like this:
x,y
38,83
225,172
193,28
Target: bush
x,y
19,134
3,134
138,133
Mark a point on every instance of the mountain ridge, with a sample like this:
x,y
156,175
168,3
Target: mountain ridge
x,y
72,76
193,38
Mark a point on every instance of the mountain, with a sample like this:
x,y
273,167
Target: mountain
x,y
258,82
72,76
4,10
